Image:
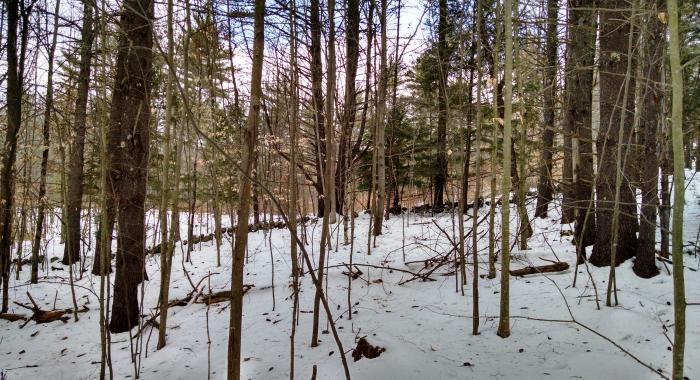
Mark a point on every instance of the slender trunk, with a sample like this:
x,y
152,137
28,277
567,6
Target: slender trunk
x,y
440,178
74,198
165,252
14,120
317,100
380,124
679,302
545,185
352,49
504,318
36,245
247,159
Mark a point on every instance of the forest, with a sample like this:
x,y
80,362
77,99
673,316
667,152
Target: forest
x,y
267,189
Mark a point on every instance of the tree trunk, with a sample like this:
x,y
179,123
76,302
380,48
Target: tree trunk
x,y
36,245
381,124
14,120
651,119
545,186
578,120
74,194
247,159
128,147
352,55
504,318
440,178
317,100
679,302
165,252
615,114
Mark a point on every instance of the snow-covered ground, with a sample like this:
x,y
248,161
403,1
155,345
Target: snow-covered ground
x,y
424,326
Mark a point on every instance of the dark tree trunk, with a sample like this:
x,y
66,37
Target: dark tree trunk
x,y
97,260
9,152
440,178
578,119
317,100
46,131
545,186
352,54
652,114
128,148
614,34
74,194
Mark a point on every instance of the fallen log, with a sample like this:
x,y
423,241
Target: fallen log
x,y
222,296
556,267
13,317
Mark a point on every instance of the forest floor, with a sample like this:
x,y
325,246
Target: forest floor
x,y
425,326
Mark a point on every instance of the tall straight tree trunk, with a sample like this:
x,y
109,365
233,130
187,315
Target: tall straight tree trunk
x,y
74,193
615,28
328,182
381,124
578,120
651,119
46,132
165,251
128,146
317,100
504,318
352,55
9,152
545,186
440,178
679,303
330,115
247,159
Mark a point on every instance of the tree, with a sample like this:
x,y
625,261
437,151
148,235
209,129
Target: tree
x,y
74,193
679,302
128,147
651,118
443,57
165,251
545,186
9,153
46,133
247,159
504,317
578,121
380,126
616,98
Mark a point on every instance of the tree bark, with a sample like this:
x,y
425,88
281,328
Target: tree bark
x,y
679,302
247,159
74,193
317,100
504,317
381,124
545,186
352,49
651,119
128,147
9,155
578,120
440,178
46,133
615,28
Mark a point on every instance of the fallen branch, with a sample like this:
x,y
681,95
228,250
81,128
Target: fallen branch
x,y
13,317
556,267
222,296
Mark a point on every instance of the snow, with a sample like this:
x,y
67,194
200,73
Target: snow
x,y
424,326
